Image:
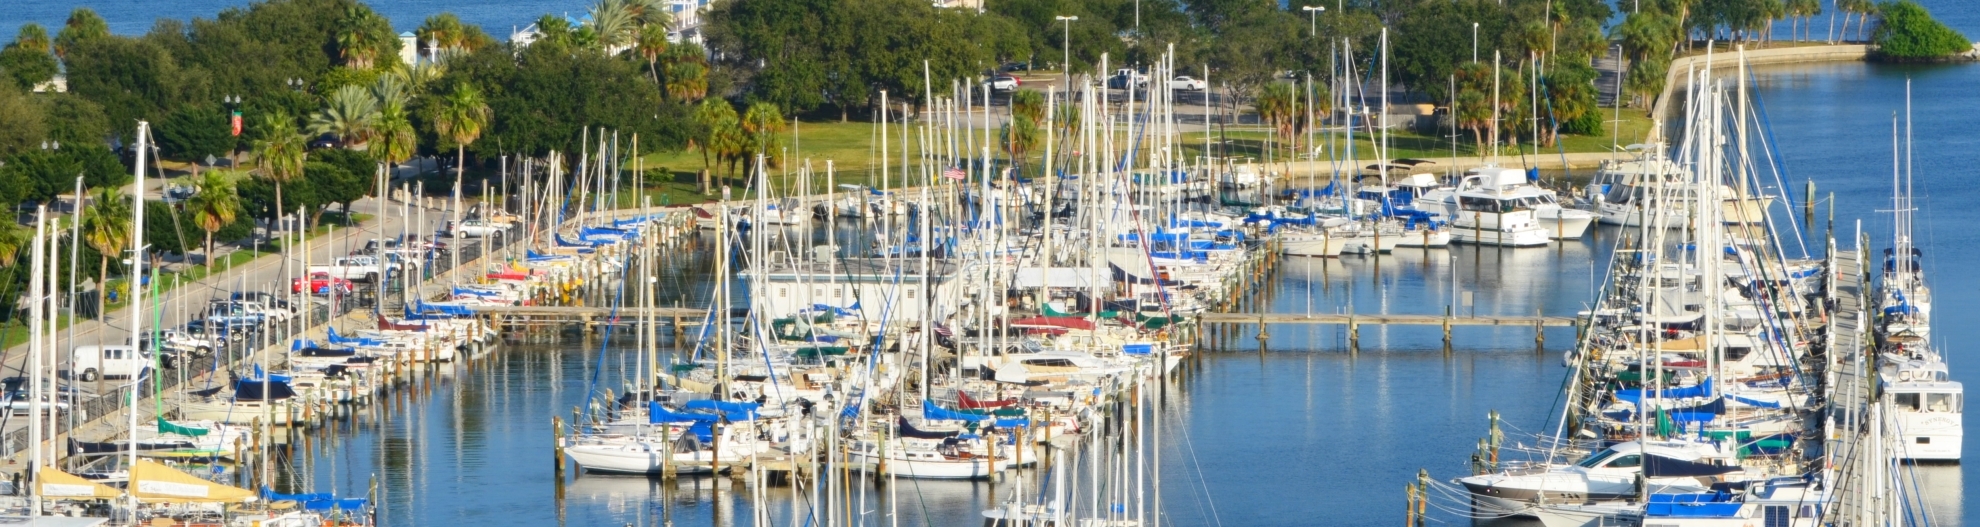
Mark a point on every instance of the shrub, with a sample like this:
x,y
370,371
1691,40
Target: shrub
x,y
1909,33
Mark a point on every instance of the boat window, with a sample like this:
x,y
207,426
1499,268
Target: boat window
x,y
1942,402
1057,363
1629,461
1594,460
1907,401
1736,353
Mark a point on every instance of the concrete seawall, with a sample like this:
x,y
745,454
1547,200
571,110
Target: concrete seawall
x,y
1682,67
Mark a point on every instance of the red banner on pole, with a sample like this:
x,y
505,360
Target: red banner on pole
x,y
236,121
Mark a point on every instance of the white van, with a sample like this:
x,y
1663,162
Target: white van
x,y
89,362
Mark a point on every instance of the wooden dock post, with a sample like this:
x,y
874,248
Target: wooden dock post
x,y
1447,330
1539,338
1354,334
557,432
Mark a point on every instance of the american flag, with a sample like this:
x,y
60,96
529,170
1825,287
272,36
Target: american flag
x,y
954,173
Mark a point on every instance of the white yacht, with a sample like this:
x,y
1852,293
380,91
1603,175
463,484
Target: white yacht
x,y
1561,223
1926,404
1490,210
1651,186
1607,475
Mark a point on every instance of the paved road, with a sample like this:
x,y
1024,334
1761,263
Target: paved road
x,y
270,273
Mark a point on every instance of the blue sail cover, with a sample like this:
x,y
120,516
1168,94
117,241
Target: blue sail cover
x,y
440,309
933,412
353,341
1754,403
540,257
1637,396
657,413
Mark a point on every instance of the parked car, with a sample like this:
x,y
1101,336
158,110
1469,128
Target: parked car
x,y
13,395
86,363
357,268
1187,83
321,284
474,229
1002,83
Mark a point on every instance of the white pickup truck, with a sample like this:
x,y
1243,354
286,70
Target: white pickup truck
x,y
357,268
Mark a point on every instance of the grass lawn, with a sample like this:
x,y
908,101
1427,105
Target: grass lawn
x,y
854,146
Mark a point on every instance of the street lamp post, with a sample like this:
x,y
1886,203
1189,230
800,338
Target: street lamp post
x,y
1065,44
1474,42
1312,19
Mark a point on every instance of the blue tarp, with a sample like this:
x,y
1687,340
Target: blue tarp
x,y
318,501
933,412
1637,396
723,406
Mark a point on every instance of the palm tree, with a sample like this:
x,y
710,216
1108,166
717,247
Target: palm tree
x,y
651,44
1020,136
460,117
1277,105
83,25
763,121
106,227
648,13
1474,111
281,150
362,36
441,34
214,206
1029,104
32,37
396,140
718,131
687,72
391,91
348,114
612,24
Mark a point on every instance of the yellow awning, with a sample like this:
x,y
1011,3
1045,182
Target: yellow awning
x,y
156,483
56,484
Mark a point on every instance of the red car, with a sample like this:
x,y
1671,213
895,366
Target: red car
x,y
320,284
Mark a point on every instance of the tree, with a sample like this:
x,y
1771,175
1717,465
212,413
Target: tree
x,y
106,227
83,26
215,206
348,114
1909,33
1571,102
21,122
32,37
762,122
444,35
193,132
718,131
395,141
651,44
363,37
612,25
282,152
1028,104
1020,137
1278,105
1474,112
26,67
335,182
686,67
459,118
72,120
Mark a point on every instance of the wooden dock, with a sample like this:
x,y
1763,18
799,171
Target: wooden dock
x,y
591,312
1386,320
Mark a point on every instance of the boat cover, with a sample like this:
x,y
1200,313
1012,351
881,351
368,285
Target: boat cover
x,y
1656,466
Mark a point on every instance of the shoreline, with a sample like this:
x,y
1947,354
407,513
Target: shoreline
x,y
1683,66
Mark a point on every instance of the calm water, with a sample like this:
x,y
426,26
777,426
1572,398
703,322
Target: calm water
x,y
1301,434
